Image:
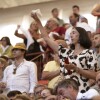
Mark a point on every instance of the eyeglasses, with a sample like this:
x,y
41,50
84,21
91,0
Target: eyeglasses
x,y
14,70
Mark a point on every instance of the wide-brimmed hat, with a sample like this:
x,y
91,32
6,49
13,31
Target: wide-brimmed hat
x,y
19,46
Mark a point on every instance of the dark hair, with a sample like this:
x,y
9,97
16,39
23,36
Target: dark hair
x,y
84,39
76,6
7,40
67,83
13,93
22,97
54,9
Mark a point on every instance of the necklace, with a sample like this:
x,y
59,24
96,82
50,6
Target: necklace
x,y
17,66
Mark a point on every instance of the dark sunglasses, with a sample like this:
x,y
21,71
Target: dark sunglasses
x,y
14,70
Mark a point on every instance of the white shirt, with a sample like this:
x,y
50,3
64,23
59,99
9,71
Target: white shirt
x,y
82,25
25,78
87,95
80,18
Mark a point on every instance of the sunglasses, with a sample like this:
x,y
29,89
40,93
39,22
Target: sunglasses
x,y
14,70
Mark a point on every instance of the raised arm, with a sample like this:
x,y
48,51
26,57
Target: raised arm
x,y
96,10
18,34
44,35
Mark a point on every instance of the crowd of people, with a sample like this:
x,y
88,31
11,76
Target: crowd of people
x,y
58,61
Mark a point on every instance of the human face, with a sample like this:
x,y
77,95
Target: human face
x,y
50,23
76,10
55,13
64,93
96,40
45,93
4,42
38,91
33,27
74,36
72,19
17,53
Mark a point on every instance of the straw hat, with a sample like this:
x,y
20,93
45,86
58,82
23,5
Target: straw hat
x,y
19,46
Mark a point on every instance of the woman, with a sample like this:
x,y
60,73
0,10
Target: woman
x,y
82,61
5,47
30,38
27,35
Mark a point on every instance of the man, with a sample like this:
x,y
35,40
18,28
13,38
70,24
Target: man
x,y
55,14
22,74
76,10
96,12
68,89
74,21
96,41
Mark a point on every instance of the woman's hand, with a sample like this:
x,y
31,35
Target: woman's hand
x,y
35,17
70,66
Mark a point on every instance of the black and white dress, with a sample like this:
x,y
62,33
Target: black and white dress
x,y
86,60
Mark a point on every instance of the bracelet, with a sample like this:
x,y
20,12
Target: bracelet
x,y
77,70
